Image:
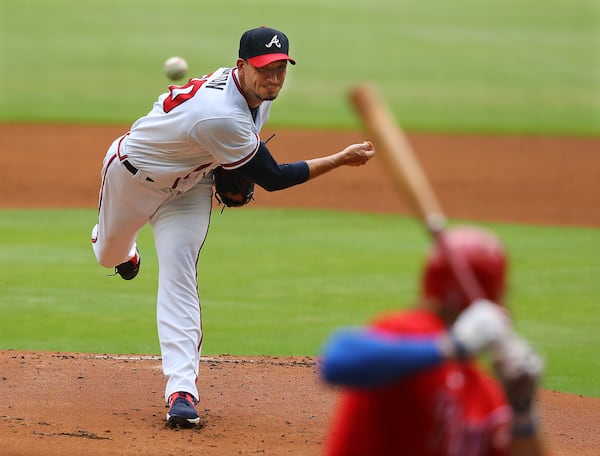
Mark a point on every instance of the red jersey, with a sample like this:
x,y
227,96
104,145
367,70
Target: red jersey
x,y
455,409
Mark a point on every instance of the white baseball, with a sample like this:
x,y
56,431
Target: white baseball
x,y
175,68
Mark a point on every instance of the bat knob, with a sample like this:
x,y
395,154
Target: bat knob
x,y
435,222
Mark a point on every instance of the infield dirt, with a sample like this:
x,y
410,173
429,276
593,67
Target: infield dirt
x,y
73,403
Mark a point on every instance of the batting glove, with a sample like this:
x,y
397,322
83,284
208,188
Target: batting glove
x,y
519,368
479,327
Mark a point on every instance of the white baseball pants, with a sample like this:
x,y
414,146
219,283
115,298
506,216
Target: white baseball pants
x,y
179,222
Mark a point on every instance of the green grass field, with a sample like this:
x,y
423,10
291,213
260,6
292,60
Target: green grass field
x,y
299,273
507,66
489,66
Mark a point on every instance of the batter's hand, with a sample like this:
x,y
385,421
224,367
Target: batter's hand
x,y
481,326
519,368
357,154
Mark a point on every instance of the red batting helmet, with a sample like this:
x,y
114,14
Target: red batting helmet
x,y
484,254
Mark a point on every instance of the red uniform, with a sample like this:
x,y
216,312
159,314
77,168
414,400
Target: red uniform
x,y
456,409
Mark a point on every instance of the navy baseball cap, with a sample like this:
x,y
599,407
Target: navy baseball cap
x,y
263,45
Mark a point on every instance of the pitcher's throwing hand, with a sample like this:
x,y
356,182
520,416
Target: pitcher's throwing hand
x,y
358,154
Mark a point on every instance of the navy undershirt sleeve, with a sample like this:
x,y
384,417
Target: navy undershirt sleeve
x,y
264,170
363,359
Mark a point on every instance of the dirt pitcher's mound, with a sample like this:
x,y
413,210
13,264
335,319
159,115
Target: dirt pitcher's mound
x,y
60,403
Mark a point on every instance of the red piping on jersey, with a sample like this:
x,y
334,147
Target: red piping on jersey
x,y
199,168
237,83
110,160
101,192
247,158
122,157
253,153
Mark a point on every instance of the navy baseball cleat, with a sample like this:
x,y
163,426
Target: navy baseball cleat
x,y
182,412
130,269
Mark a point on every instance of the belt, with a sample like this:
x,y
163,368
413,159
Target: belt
x,y
133,170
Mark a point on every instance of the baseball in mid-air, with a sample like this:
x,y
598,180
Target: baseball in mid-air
x,y
175,68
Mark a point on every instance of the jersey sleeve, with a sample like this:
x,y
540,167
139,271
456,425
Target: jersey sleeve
x,y
229,140
361,358
270,175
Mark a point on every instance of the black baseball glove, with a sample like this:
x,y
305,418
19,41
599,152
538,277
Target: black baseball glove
x,y
232,188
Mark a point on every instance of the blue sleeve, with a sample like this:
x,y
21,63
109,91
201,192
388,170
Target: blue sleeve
x,y
264,170
362,359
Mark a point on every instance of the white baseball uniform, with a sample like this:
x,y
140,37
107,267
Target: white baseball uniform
x,y
161,173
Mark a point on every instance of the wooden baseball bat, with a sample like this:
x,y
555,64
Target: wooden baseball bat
x,y
408,177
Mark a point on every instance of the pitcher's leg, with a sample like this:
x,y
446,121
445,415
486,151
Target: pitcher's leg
x,y
107,253
125,206
180,228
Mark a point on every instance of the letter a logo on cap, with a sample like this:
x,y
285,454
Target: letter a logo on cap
x,y
274,41
262,46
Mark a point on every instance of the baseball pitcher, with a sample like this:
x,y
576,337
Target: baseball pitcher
x,y
162,171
